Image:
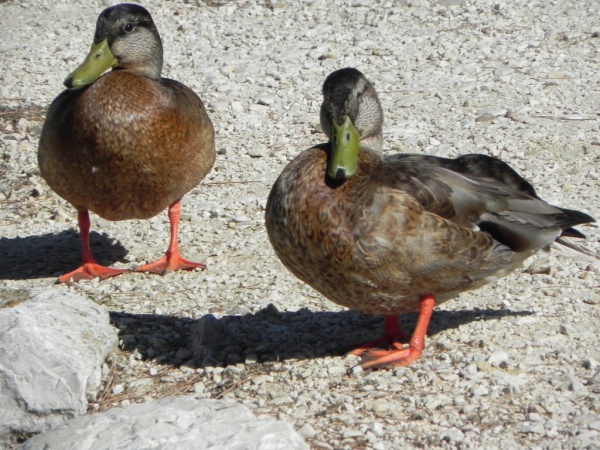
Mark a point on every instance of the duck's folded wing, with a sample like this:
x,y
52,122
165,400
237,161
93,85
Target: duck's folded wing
x,y
480,199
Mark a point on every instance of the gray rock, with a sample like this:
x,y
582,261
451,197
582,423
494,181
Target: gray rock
x,y
498,357
594,381
485,117
172,422
52,347
256,152
265,99
450,2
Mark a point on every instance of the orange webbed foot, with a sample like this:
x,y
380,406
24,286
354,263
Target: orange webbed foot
x,y
397,354
170,264
397,357
87,271
392,337
165,264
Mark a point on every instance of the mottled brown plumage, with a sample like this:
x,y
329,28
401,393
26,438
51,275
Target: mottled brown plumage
x,y
130,144
401,230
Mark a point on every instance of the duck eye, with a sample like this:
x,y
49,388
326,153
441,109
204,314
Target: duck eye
x,y
128,28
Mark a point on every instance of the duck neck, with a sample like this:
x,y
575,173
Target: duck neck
x,y
151,68
145,59
371,152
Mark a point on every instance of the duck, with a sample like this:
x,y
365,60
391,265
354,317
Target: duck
x,y
389,235
123,142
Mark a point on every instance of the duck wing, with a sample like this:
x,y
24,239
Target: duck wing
x,y
481,193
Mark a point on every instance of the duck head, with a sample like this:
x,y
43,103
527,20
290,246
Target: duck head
x,y
352,118
125,38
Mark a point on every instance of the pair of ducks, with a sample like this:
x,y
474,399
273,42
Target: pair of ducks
x,y
382,235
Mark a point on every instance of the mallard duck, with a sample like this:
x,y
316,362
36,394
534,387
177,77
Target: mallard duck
x,y
401,233
127,144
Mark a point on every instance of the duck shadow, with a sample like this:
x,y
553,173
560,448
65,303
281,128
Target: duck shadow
x,y
53,254
268,335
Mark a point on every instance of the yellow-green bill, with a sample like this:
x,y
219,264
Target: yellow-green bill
x,y
99,59
343,160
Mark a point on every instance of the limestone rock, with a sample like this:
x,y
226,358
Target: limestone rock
x,y
172,422
52,346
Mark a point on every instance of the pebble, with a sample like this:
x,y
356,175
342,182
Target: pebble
x,y
594,381
377,429
485,117
453,435
308,431
479,391
265,100
535,428
256,152
449,2
498,357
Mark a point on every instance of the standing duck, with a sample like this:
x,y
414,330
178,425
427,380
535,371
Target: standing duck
x,y
401,233
127,144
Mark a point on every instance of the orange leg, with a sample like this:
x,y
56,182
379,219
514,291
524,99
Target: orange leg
x,y
172,260
88,269
398,355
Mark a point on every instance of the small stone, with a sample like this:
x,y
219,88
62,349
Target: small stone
x,y
565,329
479,391
469,370
539,266
453,435
571,384
251,358
138,385
265,99
219,106
256,152
485,118
498,357
350,434
336,371
594,381
536,428
535,417
307,431
23,125
260,379
240,218
450,2
379,406
590,363
377,429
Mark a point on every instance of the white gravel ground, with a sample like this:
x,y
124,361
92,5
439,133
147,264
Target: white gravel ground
x,y
512,365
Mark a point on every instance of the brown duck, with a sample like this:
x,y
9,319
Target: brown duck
x,y
127,144
401,233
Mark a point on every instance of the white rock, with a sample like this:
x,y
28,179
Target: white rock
x,y
256,152
53,344
180,423
498,357
265,99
